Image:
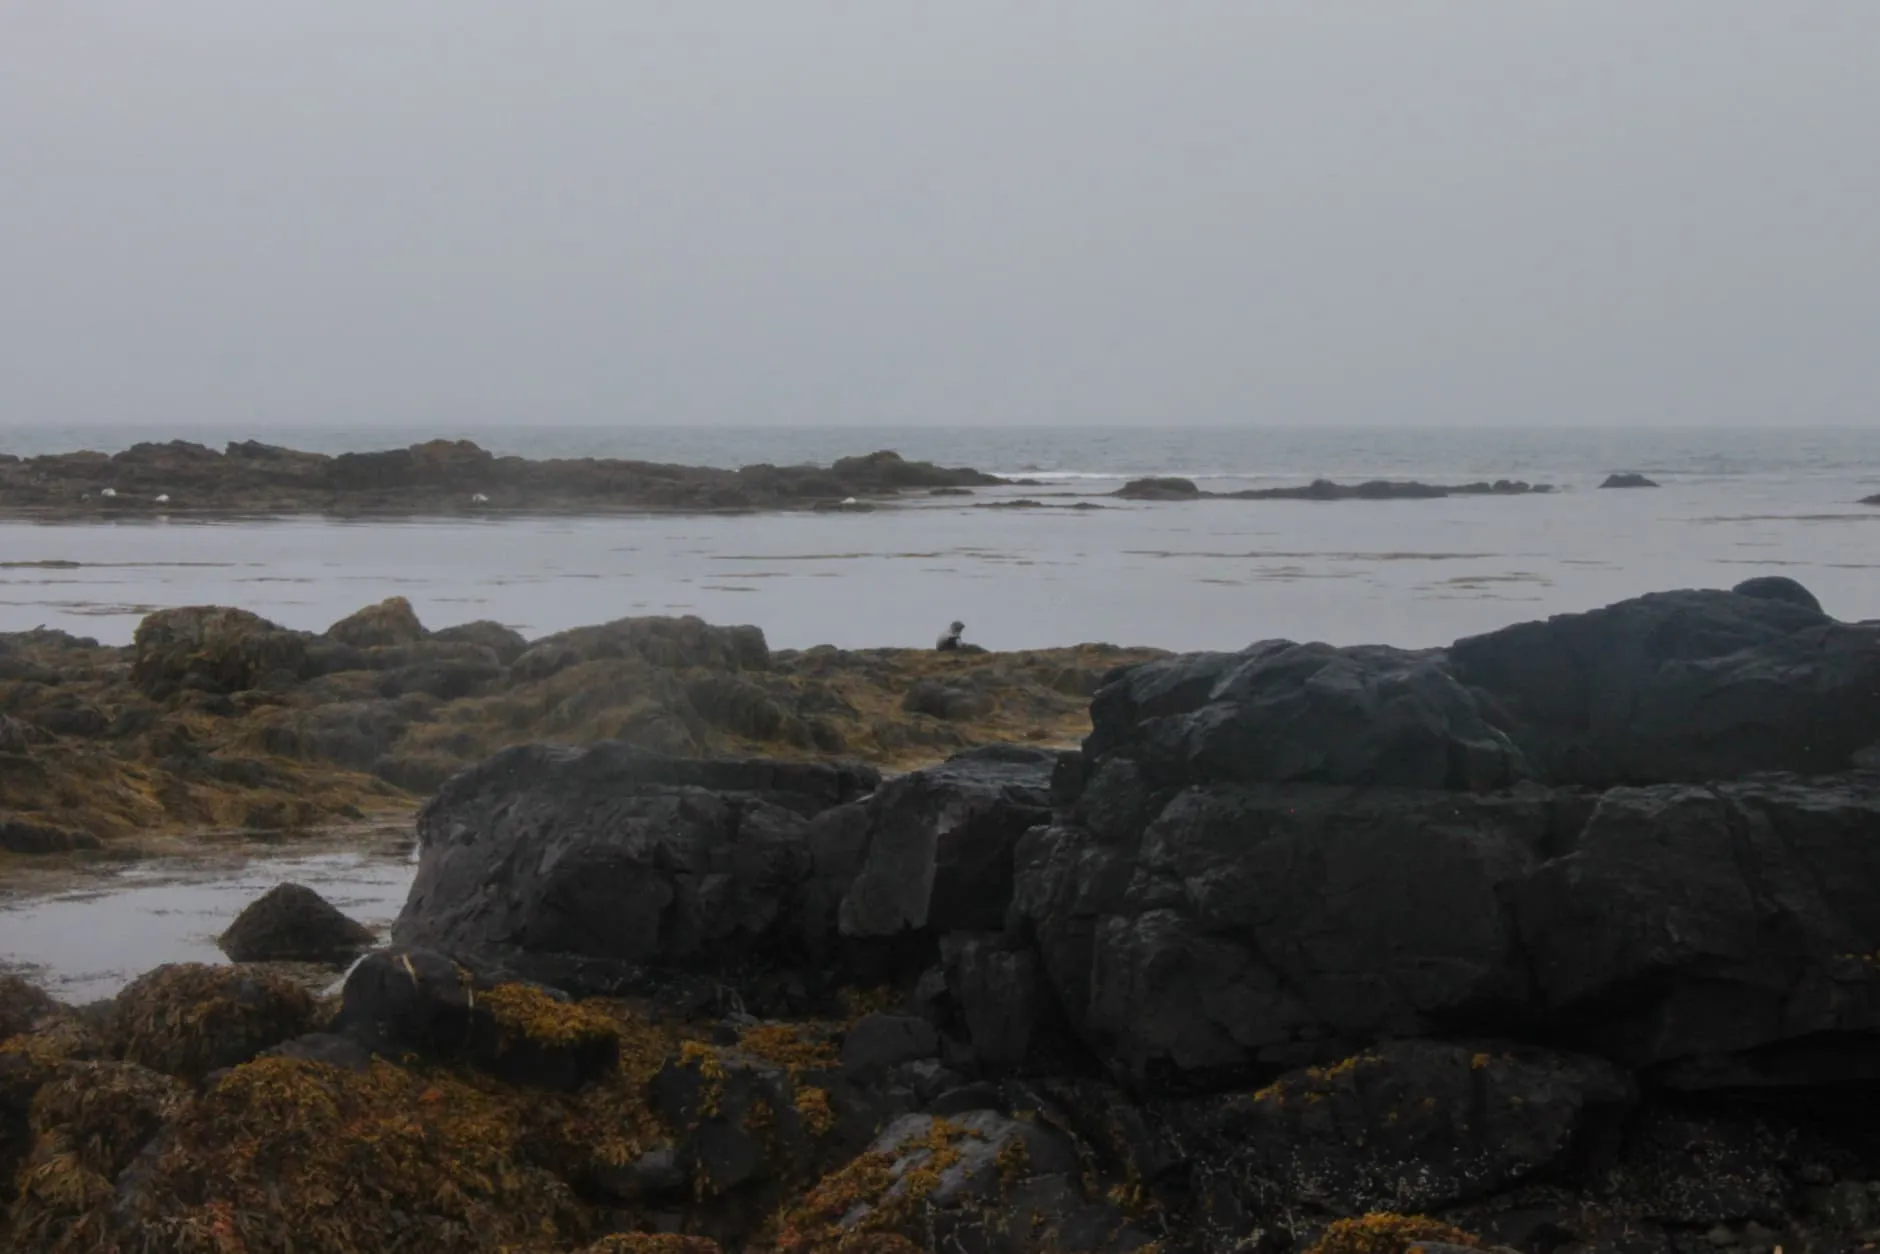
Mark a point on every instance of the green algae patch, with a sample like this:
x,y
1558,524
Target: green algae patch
x,y
1385,1233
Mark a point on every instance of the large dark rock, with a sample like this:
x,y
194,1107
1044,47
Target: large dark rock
x,y
1671,926
937,844
292,923
1412,1125
1280,712
1680,686
1627,479
622,856
1778,588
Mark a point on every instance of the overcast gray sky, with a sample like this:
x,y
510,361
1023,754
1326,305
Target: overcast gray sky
x,y
974,211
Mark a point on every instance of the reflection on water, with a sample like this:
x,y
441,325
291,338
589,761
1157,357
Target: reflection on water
x,y
86,942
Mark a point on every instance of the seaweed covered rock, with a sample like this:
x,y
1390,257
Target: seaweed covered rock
x,y
292,923
442,1167
90,1123
679,643
980,1182
652,1243
213,649
392,621
1386,1232
23,1004
218,719
748,1126
505,643
523,1034
188,1020
635,860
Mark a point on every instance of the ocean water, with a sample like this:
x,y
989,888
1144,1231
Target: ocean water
x,y
1209,574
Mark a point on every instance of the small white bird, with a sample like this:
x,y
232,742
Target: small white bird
x,y
479,499
163,498
108,492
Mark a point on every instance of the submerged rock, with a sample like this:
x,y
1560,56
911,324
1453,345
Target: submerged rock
x,y
292,923
1627,480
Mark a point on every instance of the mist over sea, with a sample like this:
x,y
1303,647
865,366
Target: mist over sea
x,y
1208,574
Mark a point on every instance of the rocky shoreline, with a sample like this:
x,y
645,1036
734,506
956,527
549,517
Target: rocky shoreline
x,y
440,477
459,478
1562,939
216,719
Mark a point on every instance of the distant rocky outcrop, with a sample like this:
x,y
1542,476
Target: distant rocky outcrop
x,y
436,477
1628,480
1326,490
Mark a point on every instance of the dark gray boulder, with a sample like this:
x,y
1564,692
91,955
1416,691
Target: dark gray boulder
x,y
1711,931
936,845
1410,1126
1280,712
1778,588
1245,929
1694,924
621,856
1628,479
1680,686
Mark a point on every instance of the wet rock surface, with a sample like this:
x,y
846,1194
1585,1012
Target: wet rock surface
x,y
438,477
1306,950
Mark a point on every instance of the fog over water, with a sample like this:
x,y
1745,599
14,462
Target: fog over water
x,y
1068,211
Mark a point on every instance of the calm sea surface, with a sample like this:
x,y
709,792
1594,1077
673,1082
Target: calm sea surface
x,y
1211,574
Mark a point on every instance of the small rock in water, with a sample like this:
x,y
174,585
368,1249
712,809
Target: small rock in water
x,y
292,923
1627,480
